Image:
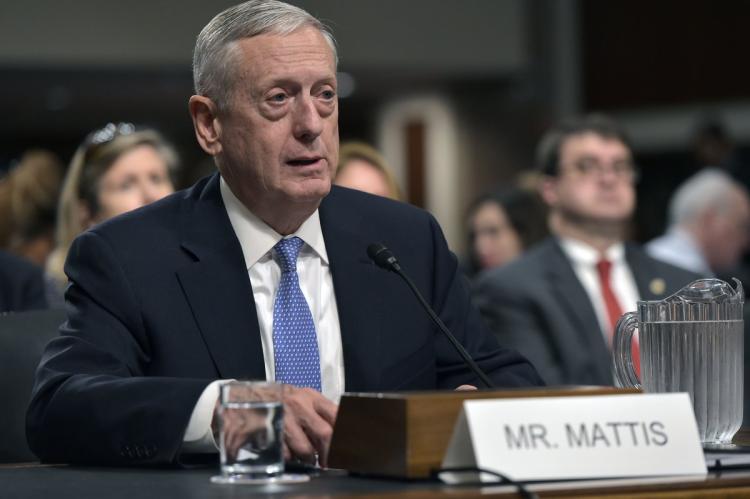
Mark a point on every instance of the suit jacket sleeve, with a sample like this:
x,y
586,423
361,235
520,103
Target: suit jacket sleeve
x,y
511,316
504,366
93,401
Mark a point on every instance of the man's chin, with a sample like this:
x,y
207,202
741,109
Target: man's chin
x,y
310,191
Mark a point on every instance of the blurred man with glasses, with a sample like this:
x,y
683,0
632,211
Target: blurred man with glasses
x,y
558,304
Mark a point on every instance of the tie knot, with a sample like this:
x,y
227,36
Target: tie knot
x,y
604,266
287,251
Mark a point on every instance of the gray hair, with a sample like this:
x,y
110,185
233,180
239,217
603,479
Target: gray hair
x,y
212,59
710,188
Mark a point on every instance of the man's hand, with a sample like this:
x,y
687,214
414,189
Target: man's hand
x,y
246,428
308,424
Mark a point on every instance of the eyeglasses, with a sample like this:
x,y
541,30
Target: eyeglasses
x,y
108,133
590,168
104,135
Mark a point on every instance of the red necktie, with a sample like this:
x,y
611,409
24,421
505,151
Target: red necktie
x,y
613,309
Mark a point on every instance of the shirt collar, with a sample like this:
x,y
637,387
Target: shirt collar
x,y
257,238
582,253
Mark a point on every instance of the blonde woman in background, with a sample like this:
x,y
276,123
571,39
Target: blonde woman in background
x,y
361,167
117,169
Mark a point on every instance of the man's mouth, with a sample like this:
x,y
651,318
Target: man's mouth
x,y
303,161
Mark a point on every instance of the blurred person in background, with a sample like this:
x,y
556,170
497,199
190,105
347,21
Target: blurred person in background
x,y
28,203
117,169
558,303
363,168
22,285
501,226
709,224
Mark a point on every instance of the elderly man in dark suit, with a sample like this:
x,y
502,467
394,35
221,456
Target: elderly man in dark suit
x,y
558,303
259,271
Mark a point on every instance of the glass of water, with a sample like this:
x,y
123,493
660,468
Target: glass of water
x,y
251,432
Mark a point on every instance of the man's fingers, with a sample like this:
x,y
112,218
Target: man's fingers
x,y
319,432
297,440
326,410
310,413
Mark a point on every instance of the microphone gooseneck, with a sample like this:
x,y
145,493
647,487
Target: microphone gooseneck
x,y
385,259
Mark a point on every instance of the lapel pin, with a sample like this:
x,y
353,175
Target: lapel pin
x,y
657,286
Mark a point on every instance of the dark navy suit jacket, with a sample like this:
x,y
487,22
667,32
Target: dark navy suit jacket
x,y
161,304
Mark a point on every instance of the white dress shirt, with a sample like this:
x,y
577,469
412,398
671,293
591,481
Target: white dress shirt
x,y
679,248
257,240
584,259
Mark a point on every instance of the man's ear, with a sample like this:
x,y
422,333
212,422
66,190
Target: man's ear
x,y
206,123
548,190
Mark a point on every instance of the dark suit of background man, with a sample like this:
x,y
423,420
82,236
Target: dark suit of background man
x,y
169,298
558,303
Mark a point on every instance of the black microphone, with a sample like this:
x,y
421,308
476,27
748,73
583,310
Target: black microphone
x,y
385,259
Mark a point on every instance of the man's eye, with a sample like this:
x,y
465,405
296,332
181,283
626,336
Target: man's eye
x,y
328,94
585,166
278,98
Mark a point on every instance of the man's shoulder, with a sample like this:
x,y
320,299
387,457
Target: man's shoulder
x,y
640,260
163,216
531,264
345,196
526,272
346,203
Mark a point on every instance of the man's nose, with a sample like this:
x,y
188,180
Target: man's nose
x,y
608,174
308,124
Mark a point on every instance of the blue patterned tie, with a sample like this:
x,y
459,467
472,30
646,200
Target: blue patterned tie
x,y
295,344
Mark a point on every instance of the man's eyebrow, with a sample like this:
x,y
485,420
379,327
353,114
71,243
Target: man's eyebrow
x,y
284,81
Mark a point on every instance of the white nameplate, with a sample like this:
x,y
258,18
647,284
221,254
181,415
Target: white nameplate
x,y
559,438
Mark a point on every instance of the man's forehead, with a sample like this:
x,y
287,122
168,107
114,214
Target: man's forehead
x,y
591,142
300,45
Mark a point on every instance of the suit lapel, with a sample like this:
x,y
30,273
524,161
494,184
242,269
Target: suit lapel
x,y
217,286
651,285
568,288
359,303
576,302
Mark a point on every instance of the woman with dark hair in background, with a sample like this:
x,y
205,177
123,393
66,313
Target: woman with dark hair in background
x,y
501,226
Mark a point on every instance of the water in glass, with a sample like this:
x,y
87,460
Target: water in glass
x,y
256,446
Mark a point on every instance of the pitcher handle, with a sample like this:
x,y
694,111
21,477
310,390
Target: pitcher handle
x,y
622,347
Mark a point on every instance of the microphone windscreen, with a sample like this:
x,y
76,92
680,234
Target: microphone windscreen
x,y
382,256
